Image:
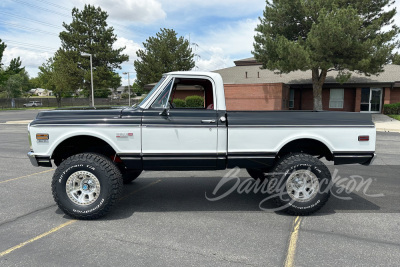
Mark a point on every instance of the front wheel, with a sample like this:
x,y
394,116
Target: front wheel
x,y
86,186
302,184
129,175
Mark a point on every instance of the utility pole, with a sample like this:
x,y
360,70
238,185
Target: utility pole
x,y
91,74
129,87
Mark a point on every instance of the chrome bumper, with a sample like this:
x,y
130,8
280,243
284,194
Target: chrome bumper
x,y
39,161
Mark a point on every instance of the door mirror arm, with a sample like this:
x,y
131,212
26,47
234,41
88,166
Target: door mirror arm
x,y
165,112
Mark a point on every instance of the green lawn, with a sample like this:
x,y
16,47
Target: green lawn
x,y
397,117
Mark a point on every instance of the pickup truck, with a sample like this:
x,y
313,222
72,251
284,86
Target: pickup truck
x,y
96,151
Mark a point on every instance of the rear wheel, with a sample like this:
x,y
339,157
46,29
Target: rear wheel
x,y
301,183
86,186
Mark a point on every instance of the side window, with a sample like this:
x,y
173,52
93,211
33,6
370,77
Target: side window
x,y
192,93
162,99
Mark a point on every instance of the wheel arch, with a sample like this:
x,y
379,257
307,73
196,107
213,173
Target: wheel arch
x,y
81,143
310,145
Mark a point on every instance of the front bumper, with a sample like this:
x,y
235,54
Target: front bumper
x,y
39,161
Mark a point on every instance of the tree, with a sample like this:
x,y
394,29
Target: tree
x,y
396,59
34,83
325,35
13,68
2,48
89,33
61,75
17,84
163,53
136,89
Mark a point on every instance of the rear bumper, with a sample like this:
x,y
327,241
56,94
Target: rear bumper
x,y
39,161
354,158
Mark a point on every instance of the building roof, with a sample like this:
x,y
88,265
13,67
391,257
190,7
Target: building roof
x,y
237,75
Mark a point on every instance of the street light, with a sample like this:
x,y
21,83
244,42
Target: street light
x,y
129,87
91,73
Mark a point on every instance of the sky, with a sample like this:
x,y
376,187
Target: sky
x,y
220,31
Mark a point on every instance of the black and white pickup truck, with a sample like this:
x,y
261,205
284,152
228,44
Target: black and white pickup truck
x,y
96,151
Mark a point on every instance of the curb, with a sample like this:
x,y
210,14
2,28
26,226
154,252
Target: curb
x,y
25,122
388,130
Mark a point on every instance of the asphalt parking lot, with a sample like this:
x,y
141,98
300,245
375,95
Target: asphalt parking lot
x,y
164,218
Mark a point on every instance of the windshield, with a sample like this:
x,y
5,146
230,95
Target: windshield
x,y
152,91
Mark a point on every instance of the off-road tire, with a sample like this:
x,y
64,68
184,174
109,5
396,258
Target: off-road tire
x,y
129,175
288,167
107,175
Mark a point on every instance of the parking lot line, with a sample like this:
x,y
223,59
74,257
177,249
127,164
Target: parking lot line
x,y
140,189
13,179
294,235
55,229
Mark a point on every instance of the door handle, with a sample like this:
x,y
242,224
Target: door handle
x,y
207,121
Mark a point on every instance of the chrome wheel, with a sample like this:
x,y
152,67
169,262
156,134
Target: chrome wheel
x,y
83,188
302,185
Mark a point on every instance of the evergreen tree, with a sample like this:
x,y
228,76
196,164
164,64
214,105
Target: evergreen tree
x,y
325,35
89,33
163,53
11,84
396,59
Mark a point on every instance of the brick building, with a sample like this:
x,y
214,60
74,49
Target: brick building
x,y
248,87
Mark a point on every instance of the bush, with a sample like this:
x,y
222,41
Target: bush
x,y
194,101
179,103
391,108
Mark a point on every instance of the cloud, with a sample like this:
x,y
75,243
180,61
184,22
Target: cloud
x,y
30,59
234,38
217,60
218,48
131,47
147,11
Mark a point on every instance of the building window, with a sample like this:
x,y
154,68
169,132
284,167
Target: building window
x,y
336,98
291,98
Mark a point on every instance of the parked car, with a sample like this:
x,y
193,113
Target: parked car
x,y
96,151
33,104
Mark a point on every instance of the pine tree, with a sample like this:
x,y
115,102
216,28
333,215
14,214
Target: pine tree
x,y
325,35
89,33
163,53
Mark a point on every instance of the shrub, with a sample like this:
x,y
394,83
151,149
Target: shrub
x,y
391,108
179,103
194,101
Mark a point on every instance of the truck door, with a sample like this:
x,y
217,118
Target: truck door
x,y
181,136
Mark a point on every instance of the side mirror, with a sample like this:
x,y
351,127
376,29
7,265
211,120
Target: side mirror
x,y
165,112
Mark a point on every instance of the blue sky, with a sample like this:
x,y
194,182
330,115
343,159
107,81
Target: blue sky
x,y
222,30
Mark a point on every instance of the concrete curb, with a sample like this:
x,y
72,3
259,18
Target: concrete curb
x,y
388,130
17,122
